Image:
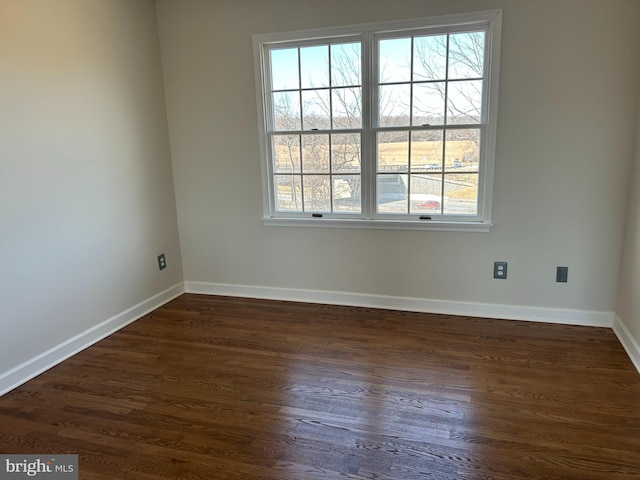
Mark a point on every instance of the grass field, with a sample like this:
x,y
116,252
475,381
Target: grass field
x,y
396,153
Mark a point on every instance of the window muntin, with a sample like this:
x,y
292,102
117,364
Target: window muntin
x,y
382,126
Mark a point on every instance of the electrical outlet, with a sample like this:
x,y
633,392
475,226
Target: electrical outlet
x,y
500,270
562,274
162,262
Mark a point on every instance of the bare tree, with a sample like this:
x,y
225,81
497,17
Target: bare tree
x,y
458,58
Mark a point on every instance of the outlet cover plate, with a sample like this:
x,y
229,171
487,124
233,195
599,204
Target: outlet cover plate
x,y
162,262
500,270
562,274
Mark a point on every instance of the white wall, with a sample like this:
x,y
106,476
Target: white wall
x,y
628,321
86,189
566,133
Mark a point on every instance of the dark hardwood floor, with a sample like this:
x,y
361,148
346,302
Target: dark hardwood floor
x,y
229,388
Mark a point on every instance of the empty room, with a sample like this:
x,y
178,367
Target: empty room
x,y
320,239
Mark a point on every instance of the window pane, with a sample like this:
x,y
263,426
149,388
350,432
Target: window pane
x,y
347,107
315,154
288,193
426,194
317,193
462,149
395,60
393,105
314,66
284,69
466,55
286,153
430,58
346,193
392,193
286,111
426,150
464,102
346,153
461,194
346,65
393,151
315,109
428,103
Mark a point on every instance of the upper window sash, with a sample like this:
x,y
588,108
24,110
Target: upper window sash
x,y
301,88
419,74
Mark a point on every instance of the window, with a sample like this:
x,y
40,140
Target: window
x,y
386,125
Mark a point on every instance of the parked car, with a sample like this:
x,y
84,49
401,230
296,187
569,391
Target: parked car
x,y
425,200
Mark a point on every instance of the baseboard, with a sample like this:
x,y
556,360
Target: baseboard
x,y
628,342
508,312
37,365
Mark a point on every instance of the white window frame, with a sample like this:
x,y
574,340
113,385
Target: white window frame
x,y
489,21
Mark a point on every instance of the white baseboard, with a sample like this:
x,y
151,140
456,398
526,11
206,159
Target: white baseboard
x,y
629,343
509,312
37,365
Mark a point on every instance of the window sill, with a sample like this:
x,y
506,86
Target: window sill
x,y
430,225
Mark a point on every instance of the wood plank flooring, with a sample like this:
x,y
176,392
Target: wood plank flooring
x,y
228,388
